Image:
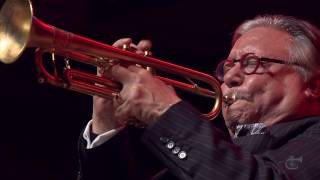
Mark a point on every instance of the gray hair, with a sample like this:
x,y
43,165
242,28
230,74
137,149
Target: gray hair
x,y
305,49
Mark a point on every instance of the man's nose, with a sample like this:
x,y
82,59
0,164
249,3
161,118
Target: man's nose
x,y
234,77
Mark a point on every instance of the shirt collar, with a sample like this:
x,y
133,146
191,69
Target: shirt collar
x,y
250,129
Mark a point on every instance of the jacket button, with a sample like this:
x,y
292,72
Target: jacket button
x,y
176,150
170,144
182,155
164,139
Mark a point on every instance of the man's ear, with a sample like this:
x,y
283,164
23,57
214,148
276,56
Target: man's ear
x,y
313,89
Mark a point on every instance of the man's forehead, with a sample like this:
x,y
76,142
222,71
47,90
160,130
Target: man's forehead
x,y
263,41
238,53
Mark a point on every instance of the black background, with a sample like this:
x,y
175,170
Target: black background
x,y
40,124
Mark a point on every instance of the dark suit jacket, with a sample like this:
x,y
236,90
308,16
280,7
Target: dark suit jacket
x,y
180,145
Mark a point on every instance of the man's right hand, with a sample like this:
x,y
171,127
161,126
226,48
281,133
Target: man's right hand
x,y
103,118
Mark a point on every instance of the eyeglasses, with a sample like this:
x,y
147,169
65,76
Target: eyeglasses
x,y
249,64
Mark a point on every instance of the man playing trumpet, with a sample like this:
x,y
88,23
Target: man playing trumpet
x,y
272,73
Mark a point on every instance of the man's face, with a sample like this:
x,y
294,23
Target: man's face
x,y
271,94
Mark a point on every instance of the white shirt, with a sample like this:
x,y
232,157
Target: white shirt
x,y
100,139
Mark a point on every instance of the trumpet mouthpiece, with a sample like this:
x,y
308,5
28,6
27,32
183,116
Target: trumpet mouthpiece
x,y
229,98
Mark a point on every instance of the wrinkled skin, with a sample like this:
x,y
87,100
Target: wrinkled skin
x,y
275,93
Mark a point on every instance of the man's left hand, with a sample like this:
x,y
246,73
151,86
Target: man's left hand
x,y
143,96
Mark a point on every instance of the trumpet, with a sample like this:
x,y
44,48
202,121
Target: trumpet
x,y
20,29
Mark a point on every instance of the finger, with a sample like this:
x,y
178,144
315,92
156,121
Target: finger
x,y
119,43
101,72
137,69
128,110
117,100
122,113
169,86
121,74
144,45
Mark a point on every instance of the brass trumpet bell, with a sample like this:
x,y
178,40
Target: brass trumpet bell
x,y
15,26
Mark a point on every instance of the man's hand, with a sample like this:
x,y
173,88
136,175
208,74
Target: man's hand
x,y
144,97
103,117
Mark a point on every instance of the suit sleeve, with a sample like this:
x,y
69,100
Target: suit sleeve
x,y
123,157
192,148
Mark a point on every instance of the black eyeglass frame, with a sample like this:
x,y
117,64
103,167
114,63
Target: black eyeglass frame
x,y
220,68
